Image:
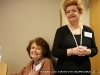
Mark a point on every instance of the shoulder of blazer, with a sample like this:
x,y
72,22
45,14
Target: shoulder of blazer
x,y
86,28
63,29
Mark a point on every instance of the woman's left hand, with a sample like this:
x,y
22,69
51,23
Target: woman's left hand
x,y
83,50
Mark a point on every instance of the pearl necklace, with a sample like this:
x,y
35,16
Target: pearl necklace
x,y
80,39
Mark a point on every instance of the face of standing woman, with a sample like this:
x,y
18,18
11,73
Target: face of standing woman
x,y
72,13
36,51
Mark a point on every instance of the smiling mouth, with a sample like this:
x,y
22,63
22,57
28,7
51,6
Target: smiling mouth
x,y
34,53
71,16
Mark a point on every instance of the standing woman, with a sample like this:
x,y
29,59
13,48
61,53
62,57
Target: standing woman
x,y
74,43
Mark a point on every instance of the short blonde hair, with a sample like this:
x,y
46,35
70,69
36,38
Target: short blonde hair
x,y
73,2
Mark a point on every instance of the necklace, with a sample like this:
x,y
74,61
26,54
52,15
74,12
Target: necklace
x,y
38,66
80,38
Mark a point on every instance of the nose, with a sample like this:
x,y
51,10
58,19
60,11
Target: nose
x,y
34,49
71,12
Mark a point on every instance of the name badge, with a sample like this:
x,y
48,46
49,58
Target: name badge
x,y
88,34
38,67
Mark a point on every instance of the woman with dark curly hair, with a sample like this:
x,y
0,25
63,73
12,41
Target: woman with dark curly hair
x,y
38,50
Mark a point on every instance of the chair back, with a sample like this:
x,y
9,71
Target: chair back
x,y
3,68
53,59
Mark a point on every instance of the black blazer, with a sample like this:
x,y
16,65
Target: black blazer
x,y
64,40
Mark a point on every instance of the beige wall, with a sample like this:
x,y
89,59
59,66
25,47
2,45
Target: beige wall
x,y
21,21
85,17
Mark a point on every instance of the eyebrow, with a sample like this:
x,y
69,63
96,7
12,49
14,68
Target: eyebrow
x,y
71,9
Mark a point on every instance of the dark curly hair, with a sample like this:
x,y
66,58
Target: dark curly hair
x,y
42,43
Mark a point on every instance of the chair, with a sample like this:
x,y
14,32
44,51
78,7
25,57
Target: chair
x,y
53,59
3,68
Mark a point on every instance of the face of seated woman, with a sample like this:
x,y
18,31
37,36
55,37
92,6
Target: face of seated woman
x,y
36,51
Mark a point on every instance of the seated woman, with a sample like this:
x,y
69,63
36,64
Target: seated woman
x,y
38,50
